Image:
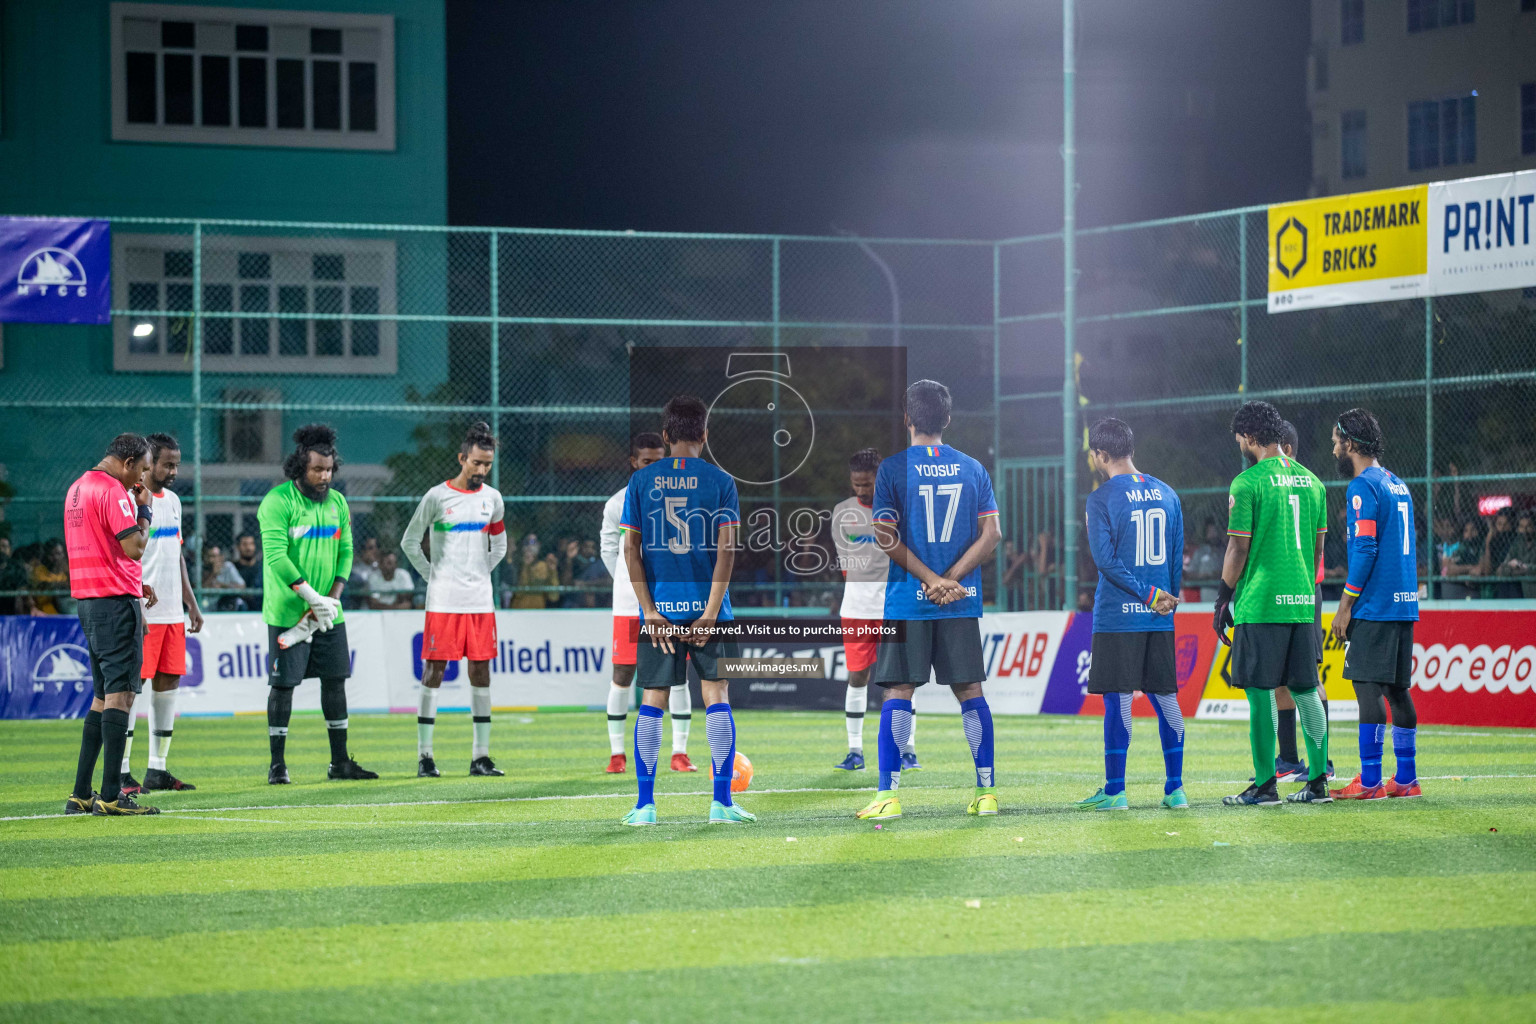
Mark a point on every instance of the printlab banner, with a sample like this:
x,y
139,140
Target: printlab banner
x,y
1480,233
55,270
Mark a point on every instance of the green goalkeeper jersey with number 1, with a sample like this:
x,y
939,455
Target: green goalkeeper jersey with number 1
x,y
1280,505
301,539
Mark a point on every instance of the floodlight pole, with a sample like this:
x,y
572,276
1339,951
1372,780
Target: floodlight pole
x,y
1068,306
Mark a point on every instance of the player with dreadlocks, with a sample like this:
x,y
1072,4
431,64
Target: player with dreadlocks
x,y
306,544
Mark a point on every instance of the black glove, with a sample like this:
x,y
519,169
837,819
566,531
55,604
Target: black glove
x,y
1222,620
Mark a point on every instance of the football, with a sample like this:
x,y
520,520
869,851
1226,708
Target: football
x,y
741,773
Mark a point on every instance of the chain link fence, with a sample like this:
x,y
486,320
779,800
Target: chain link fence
x,y
229,334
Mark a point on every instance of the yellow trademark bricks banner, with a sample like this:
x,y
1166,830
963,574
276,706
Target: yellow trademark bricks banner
x,y
1363,247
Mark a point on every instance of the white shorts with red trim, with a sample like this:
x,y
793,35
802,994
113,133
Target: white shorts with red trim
x,y
449,636
860,639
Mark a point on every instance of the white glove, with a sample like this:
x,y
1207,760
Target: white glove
x,y
300,634
326,609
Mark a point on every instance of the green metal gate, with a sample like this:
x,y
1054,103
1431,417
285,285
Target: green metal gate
x,y
1029,498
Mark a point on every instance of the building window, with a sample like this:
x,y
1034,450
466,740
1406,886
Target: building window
x,y
340,278
246,76
1320,71
1528,117
1424,15
1351,22
1442,133
1352,144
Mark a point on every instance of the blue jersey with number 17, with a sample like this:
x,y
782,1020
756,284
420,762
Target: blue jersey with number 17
x,y
677,507
937,498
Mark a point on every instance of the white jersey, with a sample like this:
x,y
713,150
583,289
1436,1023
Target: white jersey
x,y
161,565
468,540
624,600
864,564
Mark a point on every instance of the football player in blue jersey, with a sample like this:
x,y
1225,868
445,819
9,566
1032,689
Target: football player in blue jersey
x,y
1379,606
936,517
1136,536
680,520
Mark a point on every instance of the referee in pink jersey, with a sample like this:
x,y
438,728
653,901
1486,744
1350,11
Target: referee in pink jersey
x,y
106,525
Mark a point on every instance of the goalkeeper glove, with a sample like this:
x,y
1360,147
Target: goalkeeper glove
x,y
1222,620
326,609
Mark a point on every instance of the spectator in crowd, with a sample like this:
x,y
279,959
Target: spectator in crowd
x,y
572,564
1520,559
248,565
365,560
1445,544
1465,559
52,573
23,561
528,571
1015,564
1496,553
220,574
594,579
13,576
1205,566
1043,554
390,586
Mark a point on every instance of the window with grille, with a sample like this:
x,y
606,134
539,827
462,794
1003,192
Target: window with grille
x,y
1442,133
340,279
247,76
1352,144
1424,15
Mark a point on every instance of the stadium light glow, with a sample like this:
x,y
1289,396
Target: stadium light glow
x,y
143,330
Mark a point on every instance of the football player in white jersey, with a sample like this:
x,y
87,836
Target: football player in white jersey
x,y
464,517
644,449
864,567
166,625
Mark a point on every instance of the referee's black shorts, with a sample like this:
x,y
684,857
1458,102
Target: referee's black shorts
x,y
114,634
1127,662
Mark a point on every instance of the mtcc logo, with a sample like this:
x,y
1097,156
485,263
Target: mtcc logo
x,y
51,268
62,665
1290,247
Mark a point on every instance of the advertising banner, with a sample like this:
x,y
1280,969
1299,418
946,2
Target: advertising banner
x,y
55,270
1480,233
1338,250
1194,646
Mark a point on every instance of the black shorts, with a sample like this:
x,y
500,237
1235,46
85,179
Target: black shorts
x,y
947,649
1126,662
1379,652
325,656
655,669
114,634
1269,655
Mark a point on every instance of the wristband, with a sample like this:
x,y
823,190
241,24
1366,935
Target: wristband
x,y
1223,592
146,513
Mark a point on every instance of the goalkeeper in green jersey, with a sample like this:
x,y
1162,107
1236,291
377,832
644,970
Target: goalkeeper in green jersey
x,y
306,546
1276,521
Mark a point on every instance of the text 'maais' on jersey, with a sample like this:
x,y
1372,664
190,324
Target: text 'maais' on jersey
x,y
1136,535
162,559
1383,557
935,496
677,506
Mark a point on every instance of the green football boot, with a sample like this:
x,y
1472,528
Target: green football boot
x,y
883,807
984,802
721,814
1176,801
1094,802
641,815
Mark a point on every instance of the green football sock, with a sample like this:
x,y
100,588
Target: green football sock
x,y
1261,733
1314,726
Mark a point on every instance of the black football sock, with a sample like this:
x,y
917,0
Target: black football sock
x,y
333,705
279,711
90,749
114,733
1288,735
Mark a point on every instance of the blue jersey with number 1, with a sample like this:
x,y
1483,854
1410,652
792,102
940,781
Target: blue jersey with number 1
x,y
1383,562
1136,536
677,507
937,498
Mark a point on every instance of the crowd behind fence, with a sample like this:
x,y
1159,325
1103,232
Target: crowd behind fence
x,y
229,334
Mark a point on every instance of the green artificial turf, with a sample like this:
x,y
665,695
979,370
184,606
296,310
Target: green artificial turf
x,y
522,898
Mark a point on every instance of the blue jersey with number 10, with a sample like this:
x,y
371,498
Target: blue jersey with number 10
x,y
1136,536
937,497
677,507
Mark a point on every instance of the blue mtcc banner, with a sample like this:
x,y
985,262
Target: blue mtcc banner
x,y
55,270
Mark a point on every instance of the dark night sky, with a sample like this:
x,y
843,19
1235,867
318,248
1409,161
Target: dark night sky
x,y
939,118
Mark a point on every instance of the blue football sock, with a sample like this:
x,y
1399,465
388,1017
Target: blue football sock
x,y
1404,746
1170,729
1117,740
1370,754
895,728
976,718
720,728
647,749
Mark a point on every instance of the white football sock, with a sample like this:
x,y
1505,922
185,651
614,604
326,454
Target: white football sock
x,y
910,746
162,719
480,711
680,705
128,736
854,704
618,709
426,720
